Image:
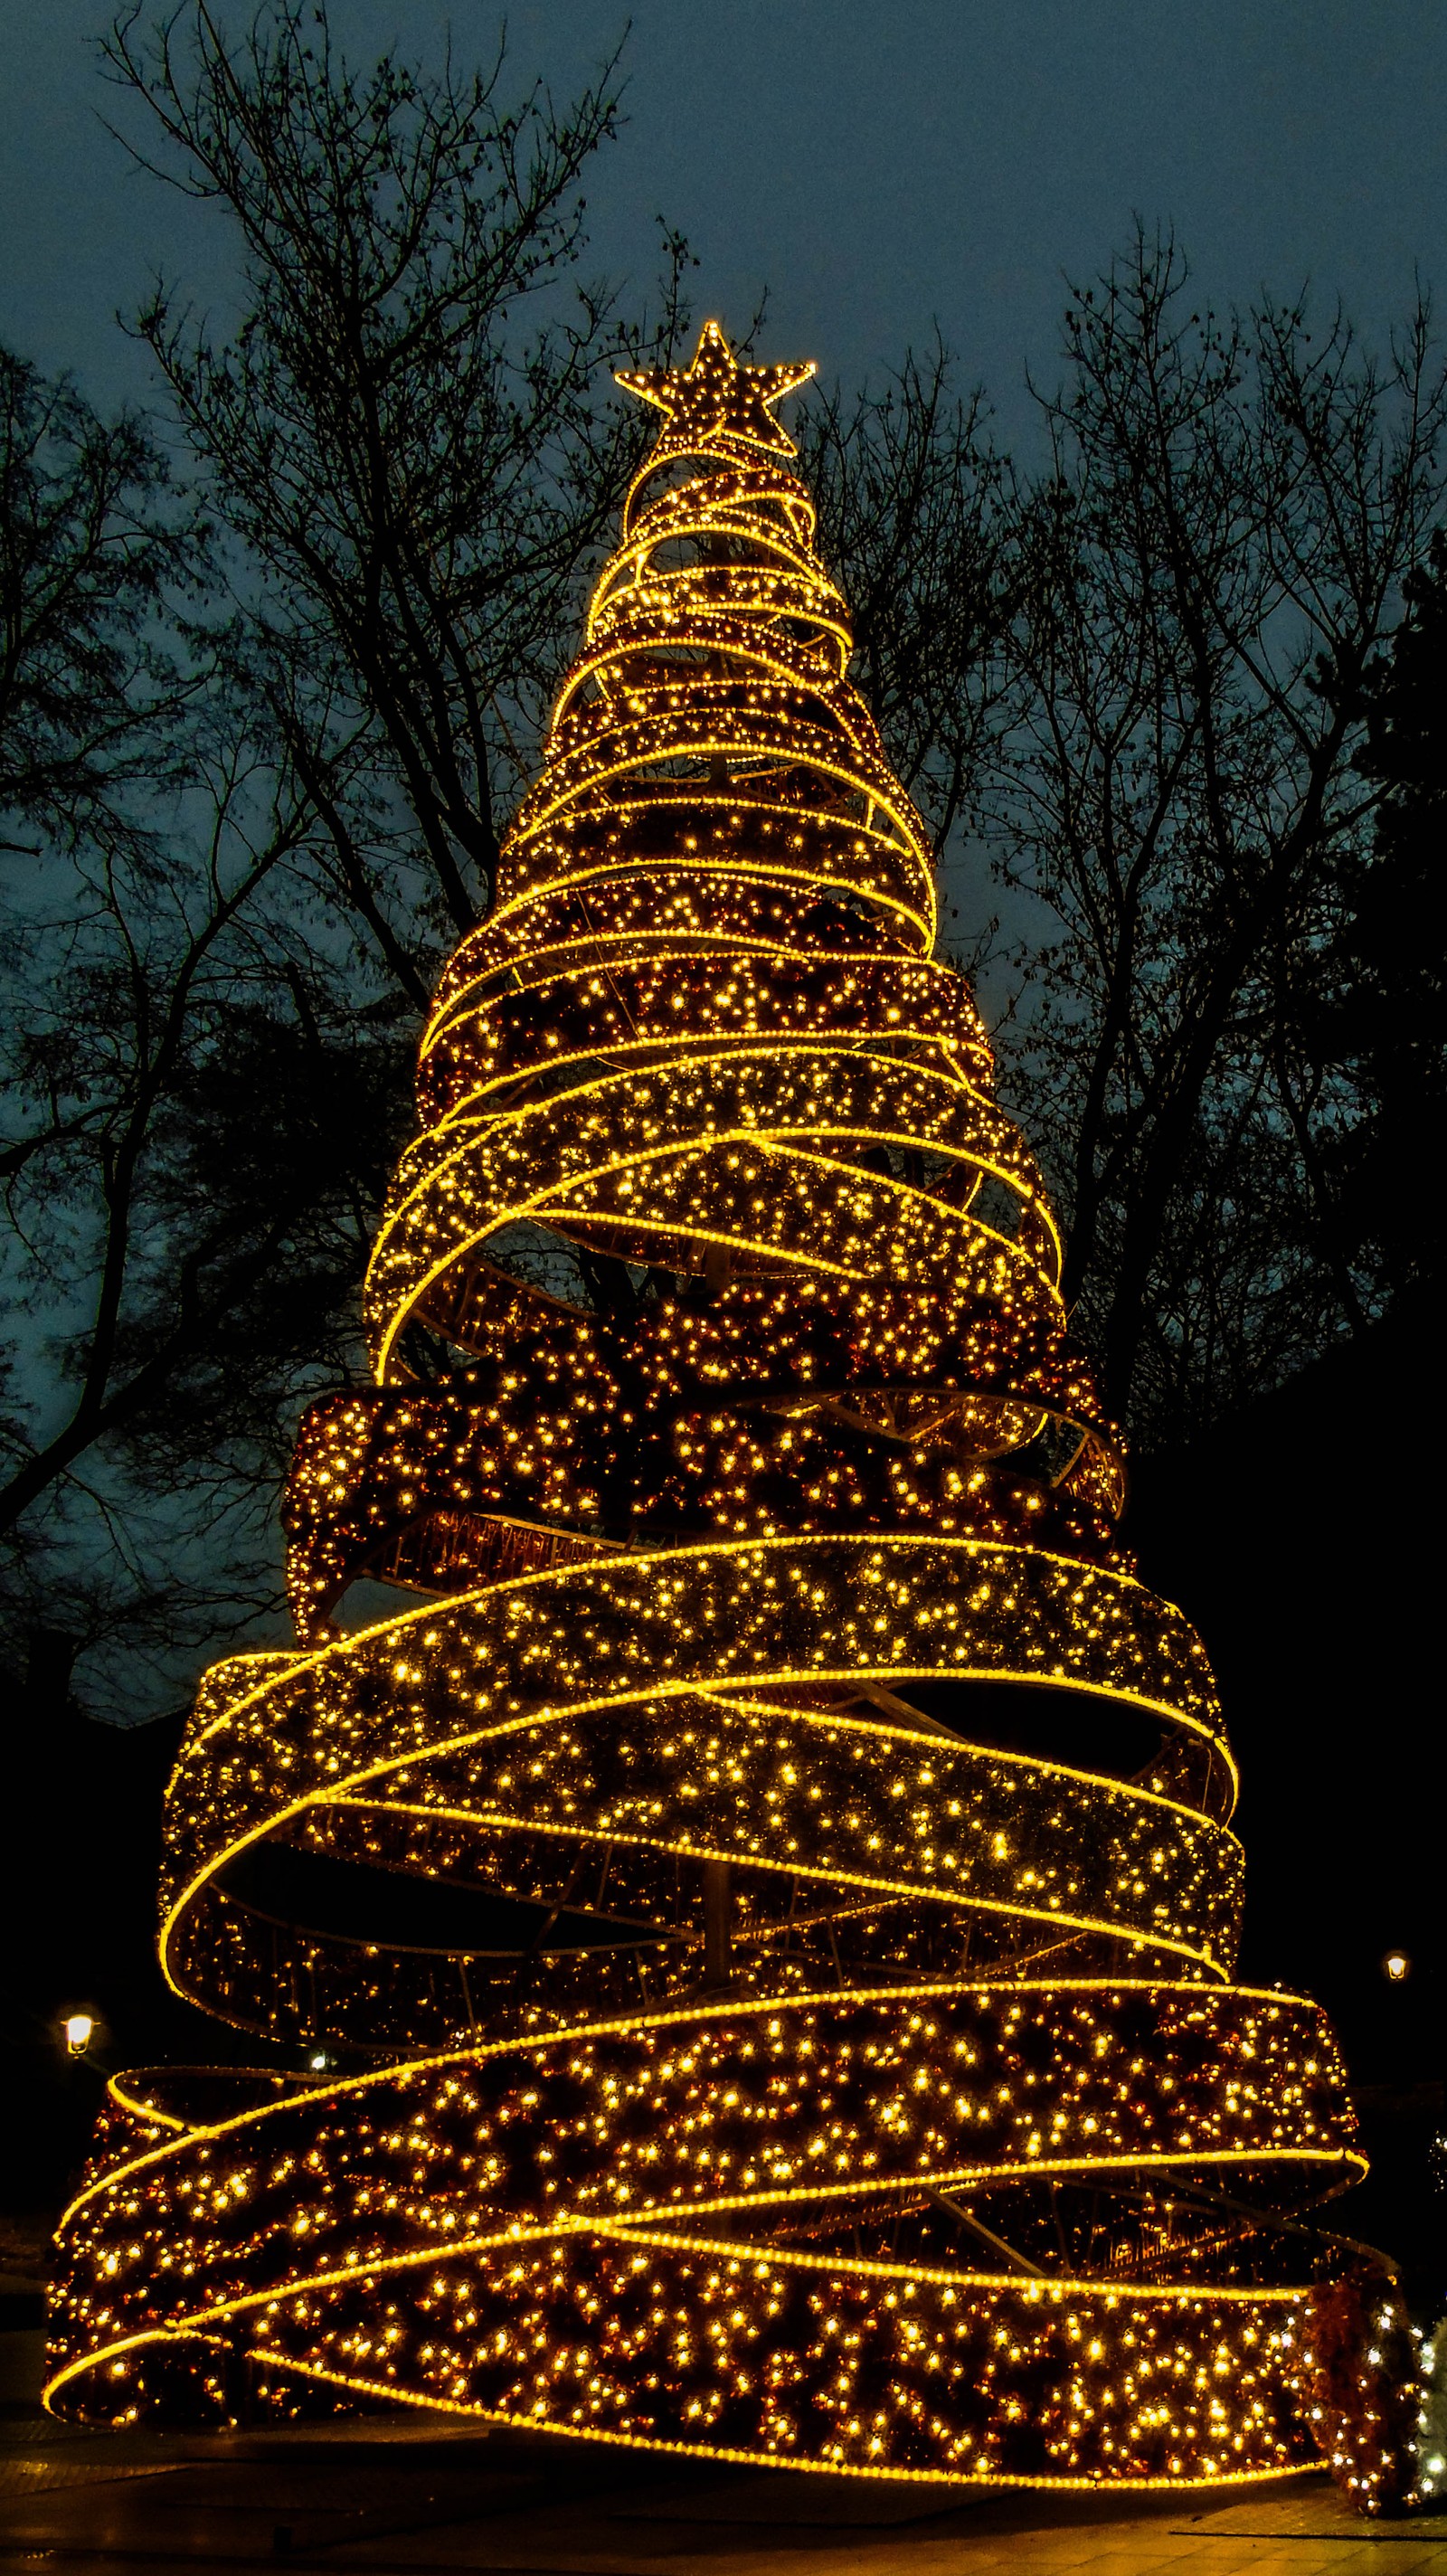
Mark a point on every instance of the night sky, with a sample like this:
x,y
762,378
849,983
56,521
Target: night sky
x,y
879,169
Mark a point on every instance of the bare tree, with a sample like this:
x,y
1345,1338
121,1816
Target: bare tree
x,y
1201,582
1140,678
410,432
98,552
149,816
1381,997
255,733
909,490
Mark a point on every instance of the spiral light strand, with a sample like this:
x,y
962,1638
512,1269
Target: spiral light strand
x,y
755,1942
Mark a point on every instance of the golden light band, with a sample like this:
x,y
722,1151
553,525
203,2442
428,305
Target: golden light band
x,y
749,1959
831,2103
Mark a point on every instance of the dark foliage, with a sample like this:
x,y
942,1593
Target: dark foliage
x,y
1361,2383
1388,1026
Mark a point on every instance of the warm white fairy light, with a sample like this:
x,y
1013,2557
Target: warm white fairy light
x,y
722,1571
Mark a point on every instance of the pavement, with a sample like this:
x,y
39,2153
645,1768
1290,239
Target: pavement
x,y
396,2496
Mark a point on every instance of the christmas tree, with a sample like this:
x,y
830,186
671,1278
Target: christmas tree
x,y
746,1947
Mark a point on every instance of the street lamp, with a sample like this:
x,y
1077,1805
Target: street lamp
x,y
77,2030
1397,1965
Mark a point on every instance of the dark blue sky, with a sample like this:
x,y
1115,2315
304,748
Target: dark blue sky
x,y
878,166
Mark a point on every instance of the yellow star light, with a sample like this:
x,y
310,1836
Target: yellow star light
x,y
715,398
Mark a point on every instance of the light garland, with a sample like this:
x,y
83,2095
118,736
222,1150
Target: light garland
x,y
774,1904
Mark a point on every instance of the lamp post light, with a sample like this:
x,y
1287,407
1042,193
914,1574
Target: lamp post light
x,y
1396,1966
77,2030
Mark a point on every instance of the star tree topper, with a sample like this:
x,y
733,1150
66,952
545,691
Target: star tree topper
x,y
715,398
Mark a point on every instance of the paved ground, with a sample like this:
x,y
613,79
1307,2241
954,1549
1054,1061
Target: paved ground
x,y
407,2497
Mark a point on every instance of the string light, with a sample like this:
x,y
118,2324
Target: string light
x,y
839,2064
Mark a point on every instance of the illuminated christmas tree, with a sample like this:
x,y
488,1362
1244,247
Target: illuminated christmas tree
x,y
755,1942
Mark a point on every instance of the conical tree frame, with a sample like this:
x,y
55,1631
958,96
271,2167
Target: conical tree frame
x,y
745,1952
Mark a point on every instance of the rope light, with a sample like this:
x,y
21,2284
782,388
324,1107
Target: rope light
x,y
756,1942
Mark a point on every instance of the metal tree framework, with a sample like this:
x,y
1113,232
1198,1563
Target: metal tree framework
x,y
761,1931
